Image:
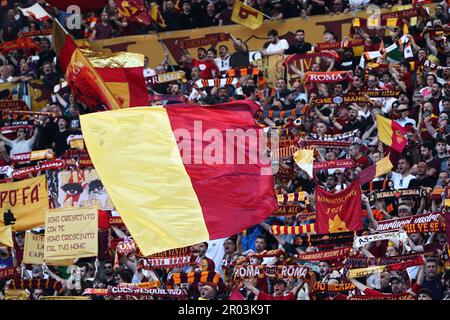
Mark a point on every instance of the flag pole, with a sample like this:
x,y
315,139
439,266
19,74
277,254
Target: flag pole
x,y
265,15
163,46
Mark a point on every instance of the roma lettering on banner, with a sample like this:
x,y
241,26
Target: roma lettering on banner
x,y
169,259
71,233
363,240
395,224
48,165
270,271
339,163
77,188
339,212
33,252
23,203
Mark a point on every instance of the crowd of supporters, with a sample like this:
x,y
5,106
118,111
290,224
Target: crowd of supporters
x,y
422,106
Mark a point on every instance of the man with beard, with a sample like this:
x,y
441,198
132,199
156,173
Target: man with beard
x,y
357,156
352,122
276,45
202,262
299,46
280,290
334,295
109,276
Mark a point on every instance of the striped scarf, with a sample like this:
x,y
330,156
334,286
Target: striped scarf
x,y
332,238
362,272
293,197
350,135
202,84
241,72
270,271
282,153
196,278
271,114
18,283
325,287
281,230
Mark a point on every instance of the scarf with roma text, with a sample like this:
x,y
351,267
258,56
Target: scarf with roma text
x,y
196,278
270,271
282,230
333,254
432,65
44,166
18,283
327,77
339,163
362,272
363,240
169,259
64,298
398,193
359,262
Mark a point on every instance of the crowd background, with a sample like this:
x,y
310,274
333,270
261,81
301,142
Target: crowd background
x,y
422,106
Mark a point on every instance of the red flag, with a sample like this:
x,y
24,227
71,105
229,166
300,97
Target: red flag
x,y
85,5
339,212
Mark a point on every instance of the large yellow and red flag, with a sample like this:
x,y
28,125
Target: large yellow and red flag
x,y
114,80
246,15
182,174
382,167
391,133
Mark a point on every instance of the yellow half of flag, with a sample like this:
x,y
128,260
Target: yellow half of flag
x,y
6,236
384,129
158,191
383,167
304,159
246,15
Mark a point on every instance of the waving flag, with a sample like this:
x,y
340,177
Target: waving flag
x,y
174,179
115,80
382,167
156,16
246,15
340,211
84,5
36,11
133,10
391,133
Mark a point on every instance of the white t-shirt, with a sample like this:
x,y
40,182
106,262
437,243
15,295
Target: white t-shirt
x,y
282,44
19,146
400,182
223,64
216,252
